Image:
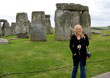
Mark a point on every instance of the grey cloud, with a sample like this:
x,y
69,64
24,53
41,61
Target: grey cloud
x,y
101,17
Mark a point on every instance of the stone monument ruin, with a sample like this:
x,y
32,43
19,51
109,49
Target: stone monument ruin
x,y
48,24
3,41
13,25
38,28
4,28
67,16
22,25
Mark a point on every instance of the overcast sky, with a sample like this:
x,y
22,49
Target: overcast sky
x,y
99,9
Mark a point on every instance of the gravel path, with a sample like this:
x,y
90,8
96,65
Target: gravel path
x,y
105,75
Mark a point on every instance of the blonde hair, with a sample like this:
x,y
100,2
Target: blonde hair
x,y
80,27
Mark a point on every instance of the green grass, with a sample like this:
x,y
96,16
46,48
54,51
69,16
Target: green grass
x,y
101,28
23,55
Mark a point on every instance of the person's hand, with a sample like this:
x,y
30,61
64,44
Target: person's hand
x,y
79,47
75,54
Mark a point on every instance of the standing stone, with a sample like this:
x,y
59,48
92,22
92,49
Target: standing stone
x,y
74,20
48,24
13,25
22,25
6,29
85,22
38,28
62,25
3,41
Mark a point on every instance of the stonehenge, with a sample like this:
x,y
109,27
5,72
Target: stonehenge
x,y
67,16
38,28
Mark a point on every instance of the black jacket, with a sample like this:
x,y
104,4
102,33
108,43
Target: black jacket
x,y
83,52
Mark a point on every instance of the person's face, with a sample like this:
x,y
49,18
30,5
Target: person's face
x,y
78,31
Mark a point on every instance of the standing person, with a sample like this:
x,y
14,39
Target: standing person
x,y
78,44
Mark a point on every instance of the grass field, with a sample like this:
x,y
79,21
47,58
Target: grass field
x,y
101,28
23,55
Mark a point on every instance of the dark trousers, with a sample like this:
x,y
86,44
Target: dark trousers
x,y
82,70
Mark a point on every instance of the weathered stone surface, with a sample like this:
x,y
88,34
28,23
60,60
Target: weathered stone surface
x,y
62,25
48,24
85,22
28,27
22,35
87,30
67,16
3,20
105,34
6,29
38,28
74,20
3,41
96,32
71,6
13,25
22,26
